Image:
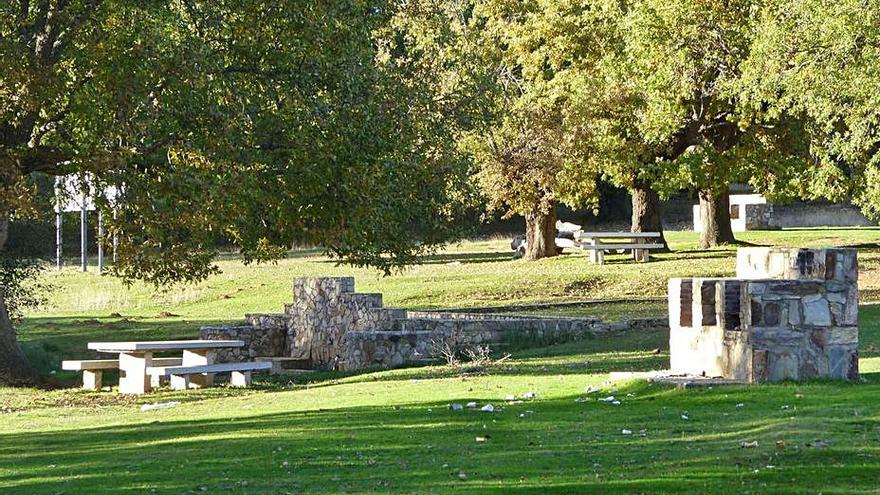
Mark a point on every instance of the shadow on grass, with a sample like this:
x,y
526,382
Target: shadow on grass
x,y
545,446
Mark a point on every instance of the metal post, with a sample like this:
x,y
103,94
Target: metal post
x,y
83,235
59,218
100,242
115,240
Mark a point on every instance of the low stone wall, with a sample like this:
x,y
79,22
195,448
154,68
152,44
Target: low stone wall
x,y
332,327
413,340
258,342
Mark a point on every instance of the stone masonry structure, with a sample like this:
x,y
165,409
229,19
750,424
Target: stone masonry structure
x,y
330,326
788,314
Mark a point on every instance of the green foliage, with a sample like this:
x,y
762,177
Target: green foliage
x,y
22,286
820,61
271,125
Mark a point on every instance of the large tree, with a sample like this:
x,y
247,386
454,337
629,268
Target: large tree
x,y
820,61
268,124
529,155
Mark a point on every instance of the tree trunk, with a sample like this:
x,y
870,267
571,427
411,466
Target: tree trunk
x,y
14,367
715,218
646,210
541,232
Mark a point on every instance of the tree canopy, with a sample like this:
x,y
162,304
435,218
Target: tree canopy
x,y
819,61
270,124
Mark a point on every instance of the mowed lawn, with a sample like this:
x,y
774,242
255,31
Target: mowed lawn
x,y
393,432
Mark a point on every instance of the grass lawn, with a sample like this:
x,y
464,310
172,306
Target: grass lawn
x,y
392,431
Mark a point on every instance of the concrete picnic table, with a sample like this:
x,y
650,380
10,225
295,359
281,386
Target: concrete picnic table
x,y
639,242
136,357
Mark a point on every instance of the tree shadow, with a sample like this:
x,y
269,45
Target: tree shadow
x,y
555,445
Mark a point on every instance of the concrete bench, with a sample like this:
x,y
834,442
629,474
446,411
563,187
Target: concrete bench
x,y
240,373
93,369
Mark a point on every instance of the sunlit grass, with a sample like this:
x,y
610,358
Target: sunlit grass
x,y
392,431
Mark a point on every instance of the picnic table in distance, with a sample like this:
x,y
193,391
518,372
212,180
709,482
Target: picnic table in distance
x,y
640,243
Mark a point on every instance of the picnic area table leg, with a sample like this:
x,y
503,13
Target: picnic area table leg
x,y
133,377
199,357
240,379
597,255
92,379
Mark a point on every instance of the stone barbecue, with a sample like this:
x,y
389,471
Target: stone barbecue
x,y
788,314
330,326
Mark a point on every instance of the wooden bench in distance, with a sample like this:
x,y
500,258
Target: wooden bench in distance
x,y
93,369
179,375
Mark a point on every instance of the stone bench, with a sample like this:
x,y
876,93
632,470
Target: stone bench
x,y
240,373
93,369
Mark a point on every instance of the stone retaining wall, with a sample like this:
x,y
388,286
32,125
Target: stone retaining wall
x,y
258,342
332,327
414,340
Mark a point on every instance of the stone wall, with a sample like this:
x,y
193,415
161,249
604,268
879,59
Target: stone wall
x,y
258,342
790,314
330,326
412,340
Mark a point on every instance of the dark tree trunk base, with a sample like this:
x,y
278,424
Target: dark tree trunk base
x,y
715,219
541,233
14,367
646,211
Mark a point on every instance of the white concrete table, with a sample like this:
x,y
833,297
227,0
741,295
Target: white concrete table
x,y
640,243
136,357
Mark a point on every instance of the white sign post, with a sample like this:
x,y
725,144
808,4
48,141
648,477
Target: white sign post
x,y
78,194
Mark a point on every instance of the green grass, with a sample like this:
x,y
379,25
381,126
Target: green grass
x,y
392,431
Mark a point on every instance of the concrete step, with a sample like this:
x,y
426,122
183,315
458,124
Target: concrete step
x,y
282,365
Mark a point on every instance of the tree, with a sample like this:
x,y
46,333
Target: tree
x,y
267,124
535,151
819,61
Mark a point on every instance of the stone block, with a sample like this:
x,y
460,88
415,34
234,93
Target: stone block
x,y
782,364
843,336
794,313
816,311
771,314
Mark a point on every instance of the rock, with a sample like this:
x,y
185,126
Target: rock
x,y
510,398
816,311
471,405
749,445
488,408
159,405
819,444
529,395
456,407
462,476
626,432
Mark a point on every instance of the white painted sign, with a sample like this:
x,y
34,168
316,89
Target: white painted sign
x,y
69,192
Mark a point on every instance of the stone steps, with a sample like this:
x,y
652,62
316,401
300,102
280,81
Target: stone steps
x,y
286,365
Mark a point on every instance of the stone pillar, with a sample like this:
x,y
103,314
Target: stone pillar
x,y
320,315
